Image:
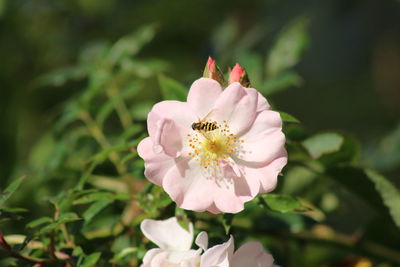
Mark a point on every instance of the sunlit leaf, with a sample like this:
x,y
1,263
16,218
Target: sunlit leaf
x,y
324,143
289,204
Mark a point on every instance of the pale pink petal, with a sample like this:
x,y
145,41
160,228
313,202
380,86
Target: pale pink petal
x,y
237,105
202,95
251,254
267,175
202,240
156,164
188,187
264,141
181,112
226,199
167,136
229,170
246,188
218,255
168,234
262,103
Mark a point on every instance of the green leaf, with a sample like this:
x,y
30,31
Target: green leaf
x,y
289,204
332,148
283,203
95,208
91,260
10,190
288,118
125,252
67,217
324,143
281,82
288,48
39,221
171,89
389,194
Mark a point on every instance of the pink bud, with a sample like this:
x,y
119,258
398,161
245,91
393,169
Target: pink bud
x,y
211,64
238,74
213,72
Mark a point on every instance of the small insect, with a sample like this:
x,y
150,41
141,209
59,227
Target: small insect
x,y
204,125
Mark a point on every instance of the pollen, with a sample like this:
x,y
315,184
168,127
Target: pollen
x,y
208,147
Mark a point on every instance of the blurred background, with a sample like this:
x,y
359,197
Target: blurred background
x,y
347,79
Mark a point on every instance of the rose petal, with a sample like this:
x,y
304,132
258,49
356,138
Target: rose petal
x,y
188,187
156,164
267,175
264,141
202,95
237,105
180,112
168,234
218,255
251,254
262,103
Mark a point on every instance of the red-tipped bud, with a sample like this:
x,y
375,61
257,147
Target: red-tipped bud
x,y
213,72
238,74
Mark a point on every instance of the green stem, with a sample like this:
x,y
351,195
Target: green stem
x,y
120,107
98,135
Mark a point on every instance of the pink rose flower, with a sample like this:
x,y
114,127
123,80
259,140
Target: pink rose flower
x,y
216,151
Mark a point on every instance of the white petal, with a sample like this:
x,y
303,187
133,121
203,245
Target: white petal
x,y
202,240
168,234
217,255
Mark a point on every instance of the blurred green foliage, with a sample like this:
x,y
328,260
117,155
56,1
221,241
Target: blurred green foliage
x,y
80,77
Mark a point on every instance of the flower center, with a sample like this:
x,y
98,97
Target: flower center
x,y
210,146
